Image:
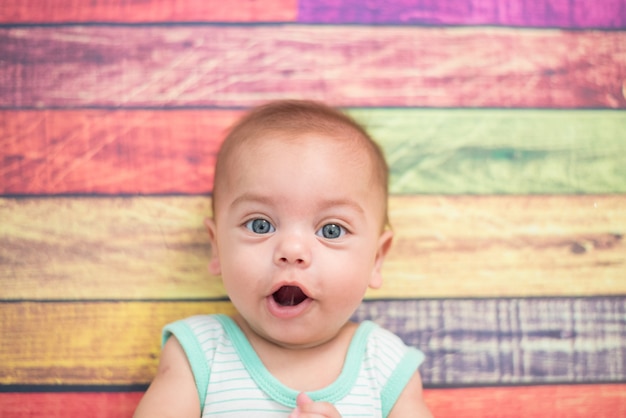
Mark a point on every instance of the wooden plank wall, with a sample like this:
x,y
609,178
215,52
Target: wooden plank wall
x,y
504,126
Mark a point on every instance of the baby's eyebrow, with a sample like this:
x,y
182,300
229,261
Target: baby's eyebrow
x,y
332,203
324,204
251,198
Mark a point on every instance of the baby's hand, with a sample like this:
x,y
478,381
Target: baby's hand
x,y
308,409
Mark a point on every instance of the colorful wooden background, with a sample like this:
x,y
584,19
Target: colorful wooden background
x,y
504,124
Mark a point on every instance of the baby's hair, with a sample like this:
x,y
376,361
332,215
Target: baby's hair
x,y
293,118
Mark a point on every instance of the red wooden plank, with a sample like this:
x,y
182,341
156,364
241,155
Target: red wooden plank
x,y
535,13
223,66
141,11
69,405
110,152
582,401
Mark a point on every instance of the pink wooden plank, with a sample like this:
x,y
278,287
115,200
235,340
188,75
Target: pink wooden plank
x,y
227,66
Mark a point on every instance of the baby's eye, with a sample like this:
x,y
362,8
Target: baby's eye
x,y
331,231
260,226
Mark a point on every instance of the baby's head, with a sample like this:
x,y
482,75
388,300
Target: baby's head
x,y
299,214
291,120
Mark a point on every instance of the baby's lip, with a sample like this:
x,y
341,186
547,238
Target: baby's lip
x,y
288,300
289,294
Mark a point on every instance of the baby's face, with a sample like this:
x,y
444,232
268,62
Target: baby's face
x,y
298,236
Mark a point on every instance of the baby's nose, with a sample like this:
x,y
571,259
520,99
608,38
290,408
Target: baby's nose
x,y
294,249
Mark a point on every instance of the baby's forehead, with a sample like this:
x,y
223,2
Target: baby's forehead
x,y
342,141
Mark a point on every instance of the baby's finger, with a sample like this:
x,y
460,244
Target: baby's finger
x,y
303,399
310,409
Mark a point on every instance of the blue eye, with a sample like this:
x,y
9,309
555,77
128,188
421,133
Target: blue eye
x,y
260,226
331,231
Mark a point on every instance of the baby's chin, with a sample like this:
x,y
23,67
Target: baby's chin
x,y
293,336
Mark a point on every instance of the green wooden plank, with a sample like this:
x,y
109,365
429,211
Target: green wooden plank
x,y
497,151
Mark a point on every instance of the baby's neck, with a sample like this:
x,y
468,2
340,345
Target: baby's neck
x,y
302,369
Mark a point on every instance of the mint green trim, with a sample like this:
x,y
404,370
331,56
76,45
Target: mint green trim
x,y
285,395
399,379
197,359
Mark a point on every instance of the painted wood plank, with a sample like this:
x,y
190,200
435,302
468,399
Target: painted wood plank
x,y
510,341
144,11
156,247
226,66
433,151
110,152
571,401
471,151
579,401
69,405
101,343
529,13
470,342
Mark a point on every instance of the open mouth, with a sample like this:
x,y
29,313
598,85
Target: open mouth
x,y
289,296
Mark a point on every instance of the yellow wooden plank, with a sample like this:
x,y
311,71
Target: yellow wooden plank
x,y
466,341
464,246
105,343
507,246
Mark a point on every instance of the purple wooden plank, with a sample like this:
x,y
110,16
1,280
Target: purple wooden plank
x,y
531,13
510,341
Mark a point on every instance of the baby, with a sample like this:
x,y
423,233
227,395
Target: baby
x,y
299,232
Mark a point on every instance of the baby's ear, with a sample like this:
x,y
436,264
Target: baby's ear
x,y
214,263
384,244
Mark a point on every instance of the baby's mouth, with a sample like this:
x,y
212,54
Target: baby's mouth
x,y
289,296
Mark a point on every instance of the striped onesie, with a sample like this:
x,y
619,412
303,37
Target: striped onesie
x,y
232,381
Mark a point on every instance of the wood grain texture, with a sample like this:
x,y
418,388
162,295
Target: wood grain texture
x,y
580,401
226,66
433,151
144,11
157,248
472,151
110,152
102,343
572,401
467,342
68,405
510,341
534,13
